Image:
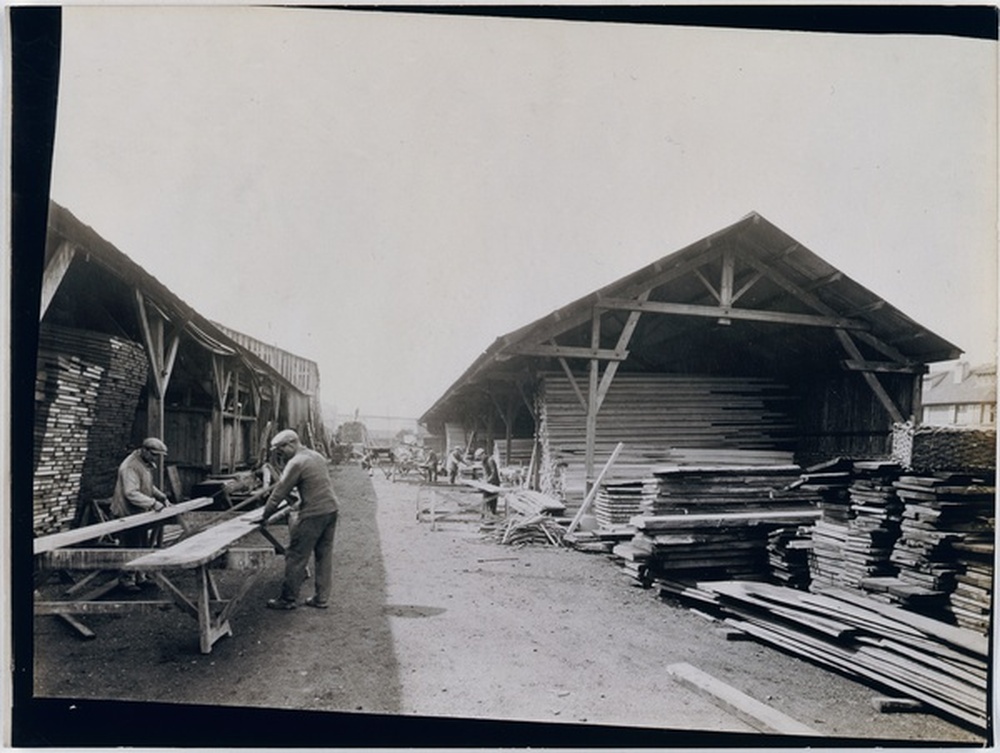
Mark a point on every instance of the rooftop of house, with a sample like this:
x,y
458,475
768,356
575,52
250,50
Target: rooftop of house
x,y
962,384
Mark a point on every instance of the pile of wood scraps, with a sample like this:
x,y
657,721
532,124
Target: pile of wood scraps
x,y
529,503
519,530
941,665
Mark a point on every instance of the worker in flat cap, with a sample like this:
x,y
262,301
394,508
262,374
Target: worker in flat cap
x,y
135,492
312,535
491,475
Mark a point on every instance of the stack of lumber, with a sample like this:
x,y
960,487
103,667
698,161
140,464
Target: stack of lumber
x,y
931,449
617,502
721,489
970,604
658,416
874,522
788,551
692,547
861,513
87,387
943,666
946,540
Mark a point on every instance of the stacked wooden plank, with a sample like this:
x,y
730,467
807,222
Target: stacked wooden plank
x,y
617,502
710,488
933,449
788,551
711,545
873,527
658,416
946,541
86,390
944,666
854,537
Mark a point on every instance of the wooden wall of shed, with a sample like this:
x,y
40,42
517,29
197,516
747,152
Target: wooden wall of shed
x,y
188,434
87,390
840,415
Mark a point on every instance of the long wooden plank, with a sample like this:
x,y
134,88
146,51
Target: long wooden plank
x,y
201,548
62,539
100,607
97,558
667,522
758,715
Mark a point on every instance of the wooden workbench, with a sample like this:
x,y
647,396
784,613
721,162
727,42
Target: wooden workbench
x,y
214,547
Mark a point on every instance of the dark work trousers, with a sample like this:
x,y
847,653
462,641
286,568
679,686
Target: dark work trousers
x,y
310,536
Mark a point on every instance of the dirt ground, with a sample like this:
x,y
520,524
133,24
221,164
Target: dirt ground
x,y
437,635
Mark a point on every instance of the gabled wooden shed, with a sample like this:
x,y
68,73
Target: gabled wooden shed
x,y
121,357
742,347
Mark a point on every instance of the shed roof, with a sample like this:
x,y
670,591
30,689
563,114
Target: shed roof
x,y
748,298
64,226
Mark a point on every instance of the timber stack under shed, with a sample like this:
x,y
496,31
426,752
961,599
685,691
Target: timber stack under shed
x,y
741,412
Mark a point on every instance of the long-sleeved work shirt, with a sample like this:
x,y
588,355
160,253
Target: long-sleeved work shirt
x,y
306,470
134,489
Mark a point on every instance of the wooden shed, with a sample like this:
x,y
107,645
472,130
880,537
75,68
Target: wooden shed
x,y
744,347
121,357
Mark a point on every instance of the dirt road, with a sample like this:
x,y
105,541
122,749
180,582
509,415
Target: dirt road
x,y
438,635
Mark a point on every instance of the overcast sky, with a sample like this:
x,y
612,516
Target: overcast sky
x,y
386,194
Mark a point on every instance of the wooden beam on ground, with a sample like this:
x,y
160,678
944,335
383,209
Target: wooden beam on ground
x,y
82,630
758,715
886,705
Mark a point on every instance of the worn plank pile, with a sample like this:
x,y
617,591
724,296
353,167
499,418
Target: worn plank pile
x,y
861,517
944,554
712,521
788,551
721,488
617,502
666,414
944,666
713,545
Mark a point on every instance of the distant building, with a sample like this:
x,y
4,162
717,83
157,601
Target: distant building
x,y
962,396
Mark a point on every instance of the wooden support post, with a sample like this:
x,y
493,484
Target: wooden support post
x,y
220,382
161,355
873,382
592,406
